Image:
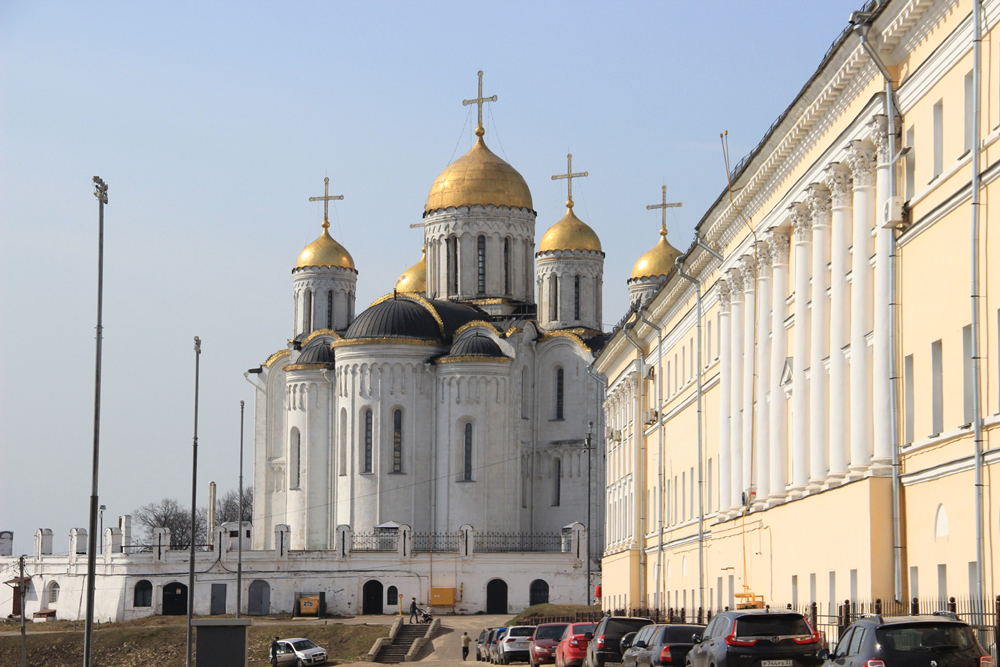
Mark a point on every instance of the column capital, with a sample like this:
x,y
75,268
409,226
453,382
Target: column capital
x,y
722,288
777,240
878,133
749,267
736,284
763,259
798,215
837,177
818,201
861,159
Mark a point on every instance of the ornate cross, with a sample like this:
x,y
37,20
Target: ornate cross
x,y
664,206
326,199
480,101
569,176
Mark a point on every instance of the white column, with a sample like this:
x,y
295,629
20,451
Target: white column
x,y
838,180
725,394
749,366
762,470
881,359
861,157
778,244
802,254
736,395
818,201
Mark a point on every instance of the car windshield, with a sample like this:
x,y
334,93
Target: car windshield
x,y
582,628
550,632
303,645
617,627
679,635
925,637
771,625
521,632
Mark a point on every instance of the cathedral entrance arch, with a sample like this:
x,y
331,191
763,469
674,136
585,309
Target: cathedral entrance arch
x,y
496,597
371,597
175,599
538,593
259,598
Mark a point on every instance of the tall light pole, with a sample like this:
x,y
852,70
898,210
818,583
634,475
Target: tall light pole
x,y
101,192
239,557
590,430
194,500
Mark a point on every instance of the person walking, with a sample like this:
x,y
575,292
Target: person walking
x,y
413,610
274,653
466,640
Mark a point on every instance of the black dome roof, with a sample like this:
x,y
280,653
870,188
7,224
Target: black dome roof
x,y
476,345
395,318
318,352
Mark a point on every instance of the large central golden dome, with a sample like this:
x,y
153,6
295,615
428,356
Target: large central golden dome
x,y
479,177
325,251
570,233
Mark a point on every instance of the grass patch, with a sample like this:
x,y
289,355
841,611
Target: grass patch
x,y
542,610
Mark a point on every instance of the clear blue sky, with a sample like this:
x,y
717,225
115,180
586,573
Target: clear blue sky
x,y
214,122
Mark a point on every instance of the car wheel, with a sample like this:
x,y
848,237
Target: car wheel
x,y
299,663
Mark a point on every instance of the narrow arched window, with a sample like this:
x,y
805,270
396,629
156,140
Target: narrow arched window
x,y
556,481
559,393
397,441
553,298
506,266
368,442
343,441
53,593
481,264
295,465
452,250
576,297
467,475
392,596
525,394
307,314
143,595
329,309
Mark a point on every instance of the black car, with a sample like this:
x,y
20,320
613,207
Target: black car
x,y
756,638
661,645
939,639
604,649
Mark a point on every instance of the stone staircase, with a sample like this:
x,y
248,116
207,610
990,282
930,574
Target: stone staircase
x,y
401,644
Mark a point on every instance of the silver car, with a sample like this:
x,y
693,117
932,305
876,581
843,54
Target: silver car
x,y
298,651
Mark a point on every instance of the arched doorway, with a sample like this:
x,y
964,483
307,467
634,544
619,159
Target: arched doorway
x,y
259,598
538,593
496,597
371,597
175,599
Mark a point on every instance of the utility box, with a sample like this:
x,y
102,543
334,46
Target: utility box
x,y
221,642
442,597
309,605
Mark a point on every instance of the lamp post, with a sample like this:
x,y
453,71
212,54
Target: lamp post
x,y
239,557
590,430
194,498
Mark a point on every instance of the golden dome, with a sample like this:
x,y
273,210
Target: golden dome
x,y
414,279
657,262
324,251
479,177
570,233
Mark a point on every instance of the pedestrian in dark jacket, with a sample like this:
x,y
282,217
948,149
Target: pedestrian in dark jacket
x,y
413,610
274,653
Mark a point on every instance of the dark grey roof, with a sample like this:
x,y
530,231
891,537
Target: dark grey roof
x,y
476,345
395,318
317,352
454,315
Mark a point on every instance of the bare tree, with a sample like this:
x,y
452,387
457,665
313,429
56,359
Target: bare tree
x,y
168,513
227,508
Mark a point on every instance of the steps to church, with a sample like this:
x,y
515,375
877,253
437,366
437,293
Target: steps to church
x,y
397,650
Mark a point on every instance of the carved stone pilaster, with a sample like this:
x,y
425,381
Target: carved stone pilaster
x,y
763,260
837,178
749,268
798,215
777,242
878,133
818,201
723,289
736,285
861,159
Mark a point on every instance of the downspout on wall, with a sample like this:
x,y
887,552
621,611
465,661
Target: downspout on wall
x,y
639,485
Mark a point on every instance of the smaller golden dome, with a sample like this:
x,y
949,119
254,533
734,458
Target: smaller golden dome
x,y
479,177
570,233
657,262
324,251
414,279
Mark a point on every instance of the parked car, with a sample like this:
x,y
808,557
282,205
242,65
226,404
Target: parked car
x,y
756,637
604,650
514,646
908,641
542,643
484,653
572,647
661,645
481,642
299,651
493,651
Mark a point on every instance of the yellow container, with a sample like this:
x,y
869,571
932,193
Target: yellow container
x,y
309,605
442,597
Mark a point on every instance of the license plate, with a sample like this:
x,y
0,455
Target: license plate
x,y
775,663
618,664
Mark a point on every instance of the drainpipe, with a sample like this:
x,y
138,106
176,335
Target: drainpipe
x,y
862,25
659,430
639,485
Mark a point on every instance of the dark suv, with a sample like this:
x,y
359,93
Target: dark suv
x,y
756,638
940,639
605,648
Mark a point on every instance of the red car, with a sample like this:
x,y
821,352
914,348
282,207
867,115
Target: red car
x,y
542,644
572,646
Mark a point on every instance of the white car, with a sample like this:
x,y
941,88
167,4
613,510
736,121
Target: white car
x,y
299,652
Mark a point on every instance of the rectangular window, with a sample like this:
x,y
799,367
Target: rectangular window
x,y
973,579
683,496
910,165
691,477
812,588
691,347
576,297
708,496
833,594
938,138
708,341
908,399
732,594
329,309
683,366
854,585
676,486
969,112
667,511
668,375
942,584
397,441
937,389
718,588
506,266
368,441
559,393
482,264
795,591
914,582
967,392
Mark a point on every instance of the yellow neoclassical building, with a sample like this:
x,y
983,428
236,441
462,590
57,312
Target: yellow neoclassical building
x,y
813,435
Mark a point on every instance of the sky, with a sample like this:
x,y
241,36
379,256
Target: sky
x,y
214,122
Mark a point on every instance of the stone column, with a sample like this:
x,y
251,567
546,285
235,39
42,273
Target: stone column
x,y
762,471
818,201
861,158
838,180
802,231
725,394
749,367
736,393
881,357
777,242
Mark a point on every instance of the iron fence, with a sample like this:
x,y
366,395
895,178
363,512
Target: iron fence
x,y
377,541
520,543
436,542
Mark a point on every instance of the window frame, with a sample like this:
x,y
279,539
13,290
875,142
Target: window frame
x,y
367,447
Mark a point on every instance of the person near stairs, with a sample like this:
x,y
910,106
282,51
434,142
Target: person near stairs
x,y
413,610
466,640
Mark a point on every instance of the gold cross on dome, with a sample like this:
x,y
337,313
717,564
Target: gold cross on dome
x,y
569,176
480,101
326,199
664,206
